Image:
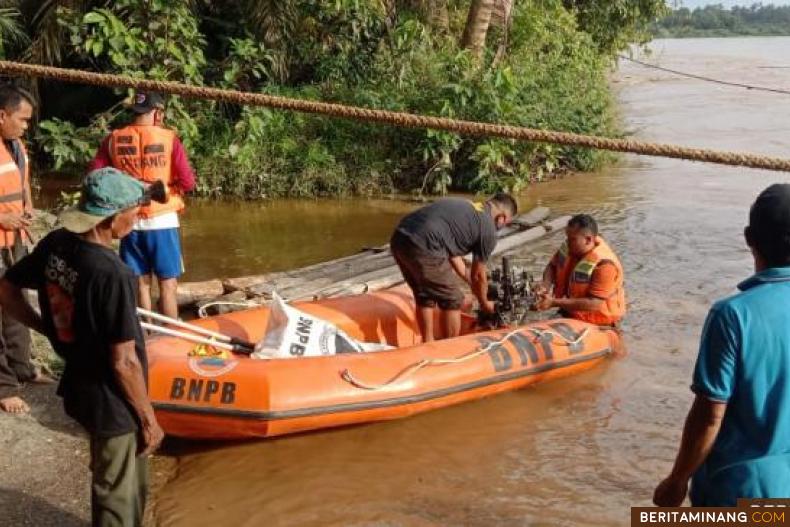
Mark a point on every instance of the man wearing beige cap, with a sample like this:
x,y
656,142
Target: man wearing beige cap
x,y
88,312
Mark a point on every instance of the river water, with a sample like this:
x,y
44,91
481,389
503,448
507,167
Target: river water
x,y
580,451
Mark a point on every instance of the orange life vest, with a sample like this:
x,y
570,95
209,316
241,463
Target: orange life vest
x,y
572,280
146,152
13,189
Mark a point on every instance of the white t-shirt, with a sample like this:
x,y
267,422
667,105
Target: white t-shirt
x,y
168,220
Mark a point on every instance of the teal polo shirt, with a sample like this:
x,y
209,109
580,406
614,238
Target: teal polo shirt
x,y
744,360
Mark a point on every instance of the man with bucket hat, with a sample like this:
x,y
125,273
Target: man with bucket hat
x,y
736,440
88,312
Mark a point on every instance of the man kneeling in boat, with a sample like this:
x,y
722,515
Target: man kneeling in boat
x,y
430,243
584,279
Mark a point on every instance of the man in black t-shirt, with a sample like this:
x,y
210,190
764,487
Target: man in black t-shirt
x,y
429,245
88,312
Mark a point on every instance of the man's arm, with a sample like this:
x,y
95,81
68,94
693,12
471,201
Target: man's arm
x,y
549,275
479,285
102,158
14,302
459,266
129,374
183,178
576,304
603,284
702,426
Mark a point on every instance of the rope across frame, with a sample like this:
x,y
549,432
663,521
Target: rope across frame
x,y
401,119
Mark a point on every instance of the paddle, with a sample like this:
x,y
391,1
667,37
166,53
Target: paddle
x,y
237,344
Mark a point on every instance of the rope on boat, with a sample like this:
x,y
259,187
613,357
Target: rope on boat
x,y
347,376
540,332
402,119
202,309
703,78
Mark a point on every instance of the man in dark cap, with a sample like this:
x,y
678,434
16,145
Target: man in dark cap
x,y
429,245
88,312
150,152
736,441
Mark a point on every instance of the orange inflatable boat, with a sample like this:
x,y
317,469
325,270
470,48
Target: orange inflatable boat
x,y
234,396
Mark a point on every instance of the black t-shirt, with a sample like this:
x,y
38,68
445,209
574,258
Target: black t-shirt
x,y
451,227
88,302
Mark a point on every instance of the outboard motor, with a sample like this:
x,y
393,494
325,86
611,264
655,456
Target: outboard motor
x,y
511,289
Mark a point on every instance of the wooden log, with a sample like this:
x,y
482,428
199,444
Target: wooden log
x,y
234,301
372,265
191,292
358,263
517,240
391,276
525,221
284,278
360,283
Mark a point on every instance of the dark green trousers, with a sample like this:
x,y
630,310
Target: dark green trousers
x,y
120,482
15,365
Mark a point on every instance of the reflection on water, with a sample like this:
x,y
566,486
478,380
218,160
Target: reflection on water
x,y
576,452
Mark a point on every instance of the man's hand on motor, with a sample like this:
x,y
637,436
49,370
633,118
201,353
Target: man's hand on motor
x,y
487,306
545,301
11,221
542,288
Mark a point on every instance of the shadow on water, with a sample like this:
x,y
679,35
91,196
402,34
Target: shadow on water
x,y
22,510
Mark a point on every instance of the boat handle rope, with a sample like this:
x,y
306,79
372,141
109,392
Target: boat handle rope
x,y
347,376
202,309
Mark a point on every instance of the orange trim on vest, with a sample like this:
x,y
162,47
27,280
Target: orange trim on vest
x,y
572,280
13,186
146,152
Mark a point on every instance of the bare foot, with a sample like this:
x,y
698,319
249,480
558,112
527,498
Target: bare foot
x,y
14,405
42,378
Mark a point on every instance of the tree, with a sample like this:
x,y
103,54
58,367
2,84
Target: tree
x,y
476,29
614,24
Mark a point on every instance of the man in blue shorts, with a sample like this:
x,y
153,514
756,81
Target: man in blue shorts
x,y
150,152
736,441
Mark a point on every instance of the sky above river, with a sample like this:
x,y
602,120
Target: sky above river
x,y
691,4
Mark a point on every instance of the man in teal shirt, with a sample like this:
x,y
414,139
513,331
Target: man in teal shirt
x,y
736,441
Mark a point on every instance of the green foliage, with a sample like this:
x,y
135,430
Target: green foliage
x,y
614,24
547,69
715,21
67,144
11,31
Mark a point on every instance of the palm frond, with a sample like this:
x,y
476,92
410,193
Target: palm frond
x,y
12,32
50,42
275,22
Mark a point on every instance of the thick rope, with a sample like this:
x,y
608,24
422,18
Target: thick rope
x,y
347,376
703,78
401,119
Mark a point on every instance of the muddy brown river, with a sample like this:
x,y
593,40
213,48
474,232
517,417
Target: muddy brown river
x,y
579,451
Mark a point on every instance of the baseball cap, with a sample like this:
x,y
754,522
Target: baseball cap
x,y
145,101
105,192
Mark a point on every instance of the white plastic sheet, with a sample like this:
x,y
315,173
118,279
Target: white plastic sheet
x,y
292,333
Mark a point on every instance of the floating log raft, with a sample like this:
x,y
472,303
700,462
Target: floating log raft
x,y
371,269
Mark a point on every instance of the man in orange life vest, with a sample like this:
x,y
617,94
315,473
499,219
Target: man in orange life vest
x,y
149,152
16,109
584,279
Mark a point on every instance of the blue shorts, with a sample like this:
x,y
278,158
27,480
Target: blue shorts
x,y
157,252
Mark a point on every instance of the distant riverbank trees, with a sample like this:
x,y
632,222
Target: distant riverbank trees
x,y
716,21
537,63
